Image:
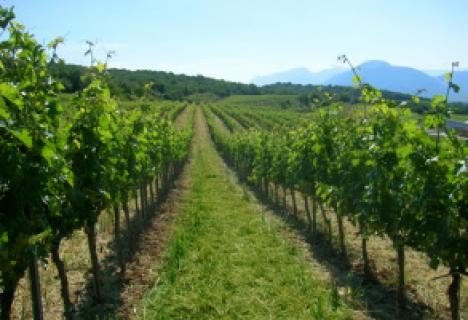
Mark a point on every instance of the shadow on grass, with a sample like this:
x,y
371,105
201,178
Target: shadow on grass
x,y
368,294
111,280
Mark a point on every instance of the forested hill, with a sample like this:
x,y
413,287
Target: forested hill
x,y
168,85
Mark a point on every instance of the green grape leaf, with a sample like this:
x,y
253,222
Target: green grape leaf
x,y
101,67
4,238
54,43
48,153
4,114
455,87
24,136
356,79
11,94
438,100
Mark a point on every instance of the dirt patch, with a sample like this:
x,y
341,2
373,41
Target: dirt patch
x,y
219,123
183,117
145,267
423,291
144,271
427,297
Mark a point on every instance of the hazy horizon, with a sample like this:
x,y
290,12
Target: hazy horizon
x,y
239,41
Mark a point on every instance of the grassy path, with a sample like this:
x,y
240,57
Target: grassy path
x,y
227,258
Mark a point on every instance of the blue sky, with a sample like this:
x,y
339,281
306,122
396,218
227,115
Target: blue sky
x,y
240,39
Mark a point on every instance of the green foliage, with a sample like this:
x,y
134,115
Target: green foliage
x,y
90,148
60,171
374,165
33,172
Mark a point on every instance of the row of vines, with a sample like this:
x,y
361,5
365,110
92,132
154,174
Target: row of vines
x,y
373,164
58,173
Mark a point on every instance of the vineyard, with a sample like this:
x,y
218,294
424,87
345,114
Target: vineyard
x,y
245,206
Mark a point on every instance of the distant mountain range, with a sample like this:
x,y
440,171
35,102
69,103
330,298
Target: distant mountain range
x,y
378,73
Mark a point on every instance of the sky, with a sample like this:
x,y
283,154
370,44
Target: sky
x,y
240,39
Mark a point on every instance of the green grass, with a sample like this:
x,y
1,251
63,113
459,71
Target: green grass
x,y
229,260
456,117
459,117
270,100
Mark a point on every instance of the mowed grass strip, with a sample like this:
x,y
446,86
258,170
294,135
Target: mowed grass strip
x,y
226,260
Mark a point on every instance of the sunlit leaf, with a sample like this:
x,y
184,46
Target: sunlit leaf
x,y
24,136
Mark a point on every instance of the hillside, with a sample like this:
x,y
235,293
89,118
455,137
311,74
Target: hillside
x,y
166,84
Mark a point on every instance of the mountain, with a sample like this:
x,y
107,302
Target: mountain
x,y
407,80
383,75
434,72
297,76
